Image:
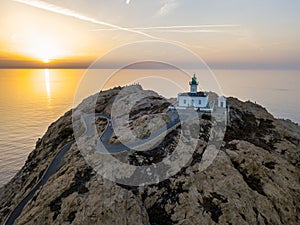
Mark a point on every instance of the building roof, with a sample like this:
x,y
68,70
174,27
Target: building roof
x,y
198,94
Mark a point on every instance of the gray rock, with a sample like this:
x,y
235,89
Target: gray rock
x,y
254,179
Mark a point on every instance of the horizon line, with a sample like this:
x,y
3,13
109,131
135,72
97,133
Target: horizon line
x,y
213,67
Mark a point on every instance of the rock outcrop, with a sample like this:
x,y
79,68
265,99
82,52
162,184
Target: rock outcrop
x,y
254,179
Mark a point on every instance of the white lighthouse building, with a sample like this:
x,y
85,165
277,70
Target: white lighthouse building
x,y
198,100
193,99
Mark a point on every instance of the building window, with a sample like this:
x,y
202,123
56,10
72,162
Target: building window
x,y
184,101
199,102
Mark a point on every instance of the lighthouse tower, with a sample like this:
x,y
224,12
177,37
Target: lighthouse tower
x,y
194,85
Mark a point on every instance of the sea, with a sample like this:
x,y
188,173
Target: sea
x,y
31,99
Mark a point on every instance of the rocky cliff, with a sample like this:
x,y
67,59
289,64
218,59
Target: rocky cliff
x,y
254,179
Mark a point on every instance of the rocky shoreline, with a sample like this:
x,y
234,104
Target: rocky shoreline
x,y
254,179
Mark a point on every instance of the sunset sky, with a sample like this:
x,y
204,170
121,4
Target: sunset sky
x,y
239,34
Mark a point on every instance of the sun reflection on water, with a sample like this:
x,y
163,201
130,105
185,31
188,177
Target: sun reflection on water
x,y
47,82
48,88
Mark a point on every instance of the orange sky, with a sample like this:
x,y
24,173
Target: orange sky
x,y
74,33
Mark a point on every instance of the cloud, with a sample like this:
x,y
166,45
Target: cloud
x,y
67,12
167,7
206,28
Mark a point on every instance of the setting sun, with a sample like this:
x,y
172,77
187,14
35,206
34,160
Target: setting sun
x,y
45,51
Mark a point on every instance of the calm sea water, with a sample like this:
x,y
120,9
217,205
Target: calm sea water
x,y
31,99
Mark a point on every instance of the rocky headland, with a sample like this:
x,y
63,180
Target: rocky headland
x,y
254,178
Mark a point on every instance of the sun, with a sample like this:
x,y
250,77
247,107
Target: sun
x,y
46,60
45,53
44,49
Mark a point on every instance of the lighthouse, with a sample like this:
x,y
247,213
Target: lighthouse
x,y
194,85
194,98
198,99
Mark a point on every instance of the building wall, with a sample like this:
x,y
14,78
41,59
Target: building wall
x,y
222,102
193,88
185,101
